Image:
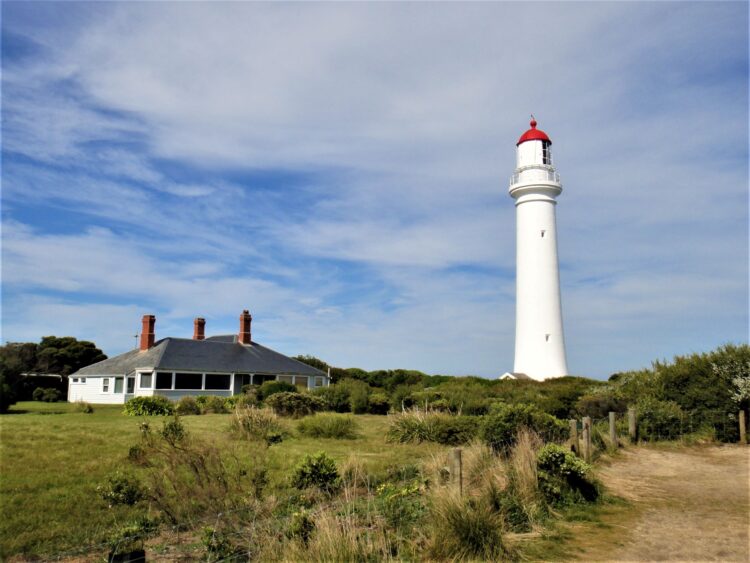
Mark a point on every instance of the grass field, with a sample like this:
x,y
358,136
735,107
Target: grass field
x,y
52,460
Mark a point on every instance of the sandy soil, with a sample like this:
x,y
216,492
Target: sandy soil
x,y
687,504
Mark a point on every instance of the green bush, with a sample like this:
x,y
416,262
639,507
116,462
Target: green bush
x,y
269,388
7,395
600,403
500,427
149,406
295,404
121,488
328,425
455,430
442,428
378,404
301,526
46,394
318,470
659,420
564,478
400,505
359,393
466,529
83,406
334,397
211,404
252,423
187,405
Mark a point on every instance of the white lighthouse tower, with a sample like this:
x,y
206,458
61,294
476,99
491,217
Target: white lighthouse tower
x,y
540,345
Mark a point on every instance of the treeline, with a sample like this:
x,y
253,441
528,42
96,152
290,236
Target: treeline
x,y
697,388
53,355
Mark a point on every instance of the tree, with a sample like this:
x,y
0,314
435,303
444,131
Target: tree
x,y
53,355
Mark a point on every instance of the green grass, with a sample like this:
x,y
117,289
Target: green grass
x,y
52,459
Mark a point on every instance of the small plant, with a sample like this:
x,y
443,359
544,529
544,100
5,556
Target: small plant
x,y
328,425
318,470
211,404
295,405
187,405
400,504
46,394
252,423
501,426
149,406
431,426
564,478
269,388
173,431
466,529
83,407
301,526
218,546
335,398
128,539
121,488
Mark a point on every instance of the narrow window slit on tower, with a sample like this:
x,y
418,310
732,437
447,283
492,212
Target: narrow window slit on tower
x,y
543,231
546,337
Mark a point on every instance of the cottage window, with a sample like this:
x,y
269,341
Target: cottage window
x,y
300,381
318,381
131,386
260,379
188,381
146,380
83,380
163,379
218,381
285,378
105,385
118,384
75,380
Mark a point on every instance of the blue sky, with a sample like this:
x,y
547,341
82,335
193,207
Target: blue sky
x,y
342,169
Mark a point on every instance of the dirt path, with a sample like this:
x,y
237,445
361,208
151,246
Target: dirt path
x,y
686,504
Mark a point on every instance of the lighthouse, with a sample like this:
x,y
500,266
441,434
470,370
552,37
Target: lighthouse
x,y
535,185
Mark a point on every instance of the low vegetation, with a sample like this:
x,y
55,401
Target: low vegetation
x,y
329,425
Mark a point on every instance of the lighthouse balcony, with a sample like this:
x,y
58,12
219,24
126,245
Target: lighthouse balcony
x,y
534,174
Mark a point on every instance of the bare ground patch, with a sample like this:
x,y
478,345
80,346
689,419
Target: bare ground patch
x,y
686,504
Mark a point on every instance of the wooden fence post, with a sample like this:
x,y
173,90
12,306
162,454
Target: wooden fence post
x,y
612,430
743,431
458,470
632,426
587,438
575,446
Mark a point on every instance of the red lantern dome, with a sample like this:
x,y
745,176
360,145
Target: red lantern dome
x,y
533,134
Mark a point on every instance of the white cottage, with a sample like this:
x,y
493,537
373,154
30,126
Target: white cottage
x,y
177,367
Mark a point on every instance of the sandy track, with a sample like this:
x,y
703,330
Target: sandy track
x,y
688,504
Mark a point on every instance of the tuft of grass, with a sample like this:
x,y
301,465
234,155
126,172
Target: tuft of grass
x,y
254,424
83,407
329,425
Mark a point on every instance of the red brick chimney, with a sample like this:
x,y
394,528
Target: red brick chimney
x,y
245,320
199,328
147,332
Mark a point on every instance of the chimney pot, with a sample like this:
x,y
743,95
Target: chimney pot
x,y
199,328
245,321
147,332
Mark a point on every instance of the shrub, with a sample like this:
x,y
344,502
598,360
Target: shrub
x,y
252,423
455,430
301,527
564,478
465,528
659,420
149,406
211,404
269,388
187,405
328,425
294,404
246,400
121,488
318,470
7,395
400,504
173,431
335,398
46,394
83,406
431,426
379,404
600,403
501,426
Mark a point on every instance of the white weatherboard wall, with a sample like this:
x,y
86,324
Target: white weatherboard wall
x,y
540,344
91,390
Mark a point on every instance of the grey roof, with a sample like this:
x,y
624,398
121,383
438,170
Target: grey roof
x,y
217,353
